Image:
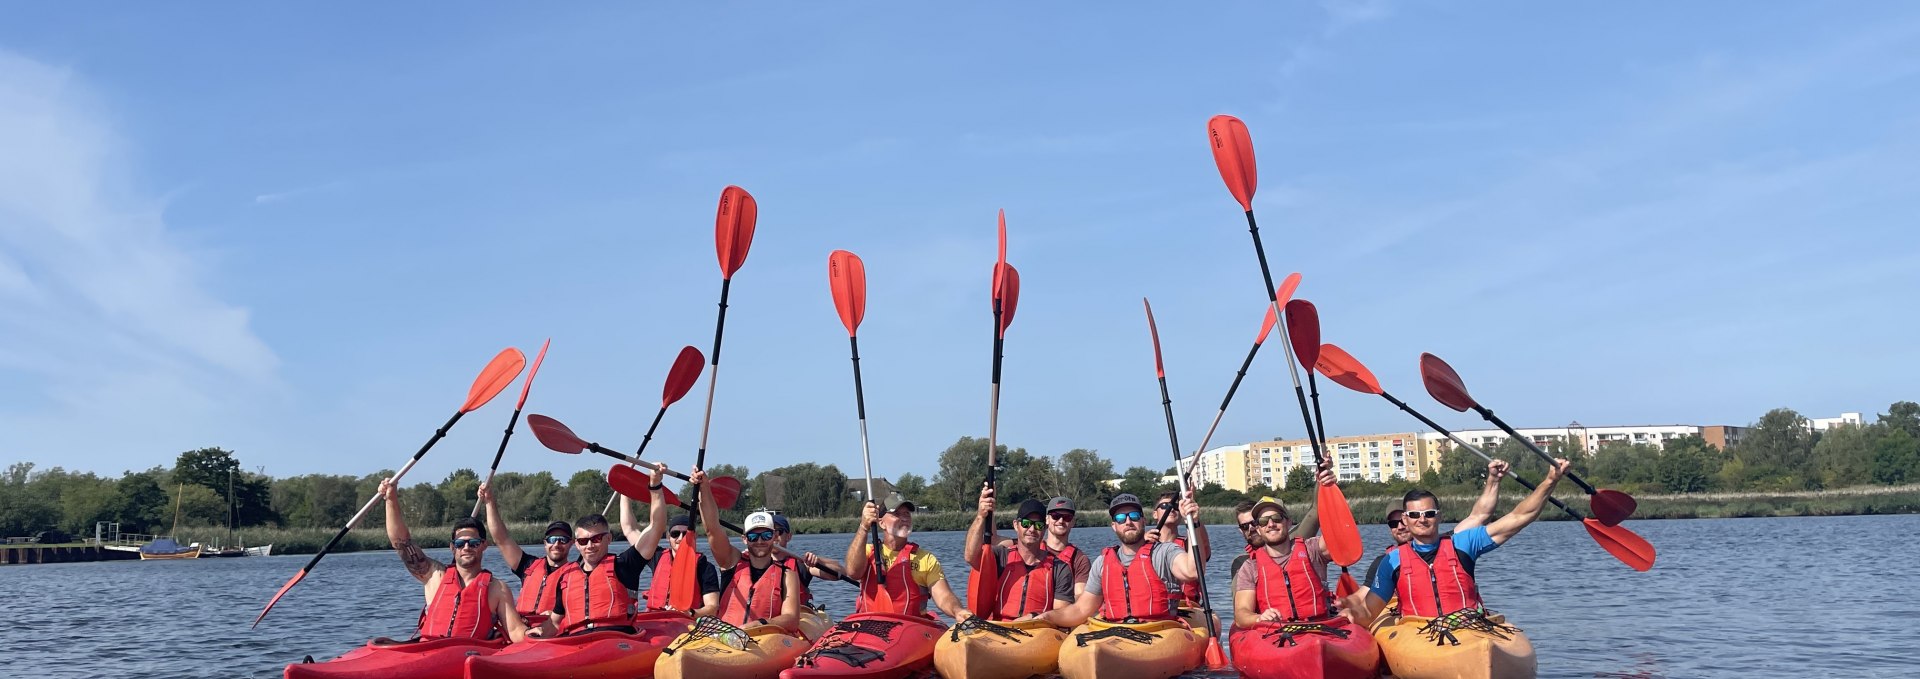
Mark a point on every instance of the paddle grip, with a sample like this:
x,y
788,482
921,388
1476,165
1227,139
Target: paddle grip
x,y
859,392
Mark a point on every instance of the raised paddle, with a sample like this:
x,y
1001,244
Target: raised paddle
x,y
1233,154
1215,656
1287,287
1337,527
734,221
680,379
631,483
847,278
983,583
558,438
1609,506
498,374
525,387
1623,544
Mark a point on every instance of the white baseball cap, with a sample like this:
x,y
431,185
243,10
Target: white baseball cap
x,y
760,520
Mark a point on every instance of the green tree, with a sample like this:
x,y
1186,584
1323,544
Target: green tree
x,y
1897,458
911,485
139,504
1083,476
1141,482
1844,455
1684,467
586,493
1617,463
199,506
24,507
1780,444
1457,468
462,487
1903,415
963,467
208,468
425,506
808,489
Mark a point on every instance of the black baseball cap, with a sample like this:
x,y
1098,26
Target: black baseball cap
x,y
561,527
680,521
1031,506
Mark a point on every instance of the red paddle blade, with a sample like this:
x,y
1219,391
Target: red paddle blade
x,y
847,275
297,577
1233,153
1159,366
680,378
1009,294
733,228
1266,326
499,373
1444,384
1346,370
1623,544
1611,506
1000,260
672,500
684,594
527,386
983,584
726,491
1216,658
1337,526
882,601
1347,586
556,436
630,482
1284,293
1303,330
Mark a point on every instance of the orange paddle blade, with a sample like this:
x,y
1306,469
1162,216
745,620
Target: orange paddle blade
x,y
1303,330
297,577
1345,370
1444,384
1284,293
499,373
847,276
1216,658
1337,526
1009,295
684,585
1159,366
556,436
1266,326
733,228
527,386
1233,153
1000,260
983,584
1347,585
1623,544
680,378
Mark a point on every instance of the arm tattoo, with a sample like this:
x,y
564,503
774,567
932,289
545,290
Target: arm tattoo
x,y
416,561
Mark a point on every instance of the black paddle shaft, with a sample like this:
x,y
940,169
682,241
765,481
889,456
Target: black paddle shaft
x,y
1200,569
1266,276
1443,430
1529,444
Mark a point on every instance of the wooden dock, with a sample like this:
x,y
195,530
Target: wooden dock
x,y
28,554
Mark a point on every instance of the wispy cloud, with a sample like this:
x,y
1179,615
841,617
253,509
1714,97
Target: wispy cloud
x,y
1341,15
278,196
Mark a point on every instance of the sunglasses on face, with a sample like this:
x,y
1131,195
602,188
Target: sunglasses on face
x,y
1030,523
594,539
1270,520
676,534
1422,513
556,539
1164,506
1123,517
463,543
759,535
1061,516
1393,524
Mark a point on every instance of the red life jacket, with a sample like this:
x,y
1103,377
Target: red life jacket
x,y
908,596
593,594
1034,592
661,587
1294,587
1132,591
744,598
1068,554
1190,591
538,590
1436,590
459,610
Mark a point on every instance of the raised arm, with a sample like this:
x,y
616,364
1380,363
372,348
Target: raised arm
x,y
497,527
422,568
1529,509
1309,523
1185,567
982,531
725,555
1489,498
649,543
856,554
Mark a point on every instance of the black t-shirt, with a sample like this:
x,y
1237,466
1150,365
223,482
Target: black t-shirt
x,y
1062,572
708,576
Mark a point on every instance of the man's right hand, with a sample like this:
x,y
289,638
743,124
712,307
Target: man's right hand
x,y
389,489
1496,470
486,494
869,515
986,500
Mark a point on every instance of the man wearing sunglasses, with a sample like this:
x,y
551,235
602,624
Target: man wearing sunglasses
x,y
1169,530
1033,580
1308,526
597,593
1060,517
678,529
539,578
1288,578
913,577
756,588
1433,574
1482,510
1130,581
463,599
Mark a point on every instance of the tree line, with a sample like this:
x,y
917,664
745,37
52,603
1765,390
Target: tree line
x,y
1780,452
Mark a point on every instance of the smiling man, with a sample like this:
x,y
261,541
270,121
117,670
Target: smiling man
x,y
596,593
756,587
1137,572
463,599
1033,579
539,577
913,576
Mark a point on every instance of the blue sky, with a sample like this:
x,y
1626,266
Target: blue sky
x,y
298,232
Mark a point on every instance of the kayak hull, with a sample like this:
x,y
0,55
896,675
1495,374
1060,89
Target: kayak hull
x,y
1173,650
1412,654
772,650
813,623
1311,655
978,654
595,654
858,647
386,659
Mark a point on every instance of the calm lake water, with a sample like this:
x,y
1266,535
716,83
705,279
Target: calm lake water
x,y
1739,597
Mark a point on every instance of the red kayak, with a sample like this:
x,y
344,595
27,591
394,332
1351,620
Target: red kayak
x,y
386,659
1334,649
593,654
871,646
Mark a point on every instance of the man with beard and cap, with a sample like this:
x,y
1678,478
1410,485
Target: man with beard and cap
x,y
463,599
647,544
1482,510
1033,579
1243,516
597,592
1060,517
1131,581
913,576
1287,580
539,577
756,588
1433,575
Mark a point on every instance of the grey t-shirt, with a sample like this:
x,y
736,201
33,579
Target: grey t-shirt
x,y
1163,556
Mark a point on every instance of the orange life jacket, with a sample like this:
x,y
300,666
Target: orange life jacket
x,y
459,610
744,598
1293,587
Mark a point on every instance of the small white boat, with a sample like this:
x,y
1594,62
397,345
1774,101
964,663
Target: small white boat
x,y
265,550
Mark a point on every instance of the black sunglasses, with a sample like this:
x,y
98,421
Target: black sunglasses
x,y
1394,523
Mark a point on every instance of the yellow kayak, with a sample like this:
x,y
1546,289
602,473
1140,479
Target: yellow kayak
x,y
716,649
1488,648
978,649
1148,650
813,623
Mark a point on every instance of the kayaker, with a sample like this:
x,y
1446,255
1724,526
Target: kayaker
x,y
913,576
1141,586
539,581
1033,580
471,604
647,543
1060,517
1169,530
1444,561
817,567
1288,580
597,593
759,589
1483,507
1308,526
